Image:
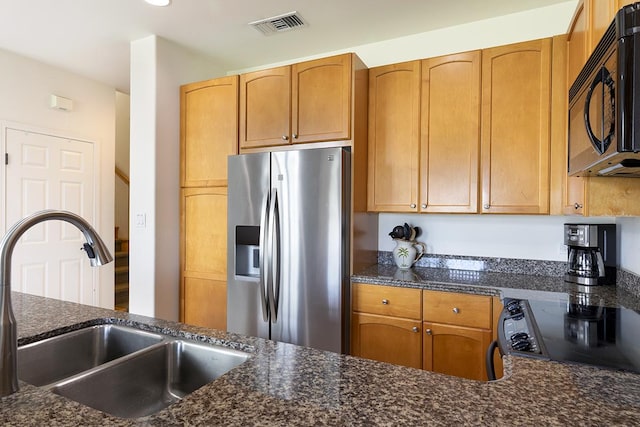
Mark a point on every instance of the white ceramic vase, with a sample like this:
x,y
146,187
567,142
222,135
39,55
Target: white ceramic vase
x,y
406,252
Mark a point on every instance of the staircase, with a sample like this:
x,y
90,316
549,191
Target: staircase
x,y
122,275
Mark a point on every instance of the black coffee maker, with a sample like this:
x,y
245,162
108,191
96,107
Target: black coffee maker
x,y
592,254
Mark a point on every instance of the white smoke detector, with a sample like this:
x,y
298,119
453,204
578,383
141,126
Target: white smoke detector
x,y
278,24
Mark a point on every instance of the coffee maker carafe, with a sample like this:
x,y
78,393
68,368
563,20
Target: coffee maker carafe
x,y
592,254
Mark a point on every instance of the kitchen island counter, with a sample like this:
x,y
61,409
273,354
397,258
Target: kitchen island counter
x,y
283,384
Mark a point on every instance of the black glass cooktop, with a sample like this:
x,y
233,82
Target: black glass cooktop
x,y
582,330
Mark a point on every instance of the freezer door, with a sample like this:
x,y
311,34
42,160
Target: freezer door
x,y
248,190
309,193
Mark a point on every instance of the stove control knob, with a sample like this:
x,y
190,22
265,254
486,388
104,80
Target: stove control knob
x,y
520,342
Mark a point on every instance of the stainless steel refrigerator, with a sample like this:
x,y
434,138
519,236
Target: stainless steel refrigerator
x,y
288,241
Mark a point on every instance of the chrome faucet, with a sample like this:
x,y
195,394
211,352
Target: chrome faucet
x,y
96,251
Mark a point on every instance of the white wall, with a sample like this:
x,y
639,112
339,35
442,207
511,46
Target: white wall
x,y
503,236
25,86
158,68
123,129
516,27
630,243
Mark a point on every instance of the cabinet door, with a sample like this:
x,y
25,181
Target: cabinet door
x,y
516,87
208,131
577,42
394,136
205,303
265,107
387,339
450,137
321,99
601,13
455,350
203,253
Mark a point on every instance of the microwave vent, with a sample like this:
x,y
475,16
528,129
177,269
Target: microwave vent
x,y
281,23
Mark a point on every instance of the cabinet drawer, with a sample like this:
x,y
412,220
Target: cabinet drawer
x,y
457,309
387,300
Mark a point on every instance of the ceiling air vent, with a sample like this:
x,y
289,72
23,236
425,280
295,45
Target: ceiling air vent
x,y
278,24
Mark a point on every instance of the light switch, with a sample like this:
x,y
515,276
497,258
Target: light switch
x,y
141,220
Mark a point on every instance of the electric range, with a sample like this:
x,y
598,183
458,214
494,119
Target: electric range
x,y
576,328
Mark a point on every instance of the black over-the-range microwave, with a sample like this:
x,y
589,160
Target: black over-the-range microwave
x,y
604,103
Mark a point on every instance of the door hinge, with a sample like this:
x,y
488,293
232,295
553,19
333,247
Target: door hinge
x,y
6,158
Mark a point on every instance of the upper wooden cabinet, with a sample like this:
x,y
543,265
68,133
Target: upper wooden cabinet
x,y
208,131
589,23
450,133
516,88
577,42
304,102
394,137
265,107
321,99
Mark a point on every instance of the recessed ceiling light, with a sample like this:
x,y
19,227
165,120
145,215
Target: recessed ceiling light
x,y
159,2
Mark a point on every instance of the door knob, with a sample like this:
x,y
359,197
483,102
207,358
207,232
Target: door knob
x,y
412,206
456,310
423,206
577,206
415,329
487,206
429,331
285,137
385,301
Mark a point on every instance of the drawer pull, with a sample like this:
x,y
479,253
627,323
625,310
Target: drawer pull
x,y
456,310
429,331
415,329
385,301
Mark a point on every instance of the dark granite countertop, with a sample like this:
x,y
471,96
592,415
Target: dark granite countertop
x,y
492,283
286,385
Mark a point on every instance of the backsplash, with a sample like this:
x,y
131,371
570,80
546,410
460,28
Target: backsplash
x,y
626,280
488,264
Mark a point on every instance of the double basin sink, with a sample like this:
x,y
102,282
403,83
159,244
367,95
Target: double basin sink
x,y
121,370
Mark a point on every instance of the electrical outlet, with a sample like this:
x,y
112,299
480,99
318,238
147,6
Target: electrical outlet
x,y
562,250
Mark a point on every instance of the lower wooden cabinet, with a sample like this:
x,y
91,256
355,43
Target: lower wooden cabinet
x,y
205,303
203,257
444,332
455,350
387,339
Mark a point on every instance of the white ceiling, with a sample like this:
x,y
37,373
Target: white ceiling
x,y
92,37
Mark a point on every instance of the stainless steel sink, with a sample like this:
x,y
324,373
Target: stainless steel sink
x,y
152,380
124,371
53,359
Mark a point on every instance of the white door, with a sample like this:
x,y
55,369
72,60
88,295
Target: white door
x,y
50,172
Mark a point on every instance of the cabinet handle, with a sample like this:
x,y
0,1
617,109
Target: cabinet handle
x,y
577,206
285,137
412,206
456,310
295,136
385,301
487,206
429,331
415,329
423,206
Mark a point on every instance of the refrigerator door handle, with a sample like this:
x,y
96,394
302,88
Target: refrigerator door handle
x,y
264,256
274,294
